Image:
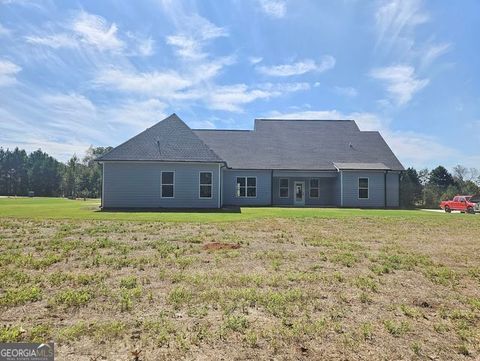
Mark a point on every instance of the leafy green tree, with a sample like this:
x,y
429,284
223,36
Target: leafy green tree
x,y
94,171
440,177
431,196
13,172
469,187
71,177
44,174
410,188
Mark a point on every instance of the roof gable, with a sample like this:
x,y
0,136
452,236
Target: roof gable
x,y
168,140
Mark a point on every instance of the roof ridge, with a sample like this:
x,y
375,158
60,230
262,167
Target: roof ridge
x,y
222,130
307,120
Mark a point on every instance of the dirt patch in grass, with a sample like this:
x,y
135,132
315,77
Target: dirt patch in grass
x,y
350,289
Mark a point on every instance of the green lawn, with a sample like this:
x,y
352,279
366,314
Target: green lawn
x,y
60,208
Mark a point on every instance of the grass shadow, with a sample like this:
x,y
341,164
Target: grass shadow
x,y
232,209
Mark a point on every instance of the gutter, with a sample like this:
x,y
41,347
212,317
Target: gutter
x,y
385,189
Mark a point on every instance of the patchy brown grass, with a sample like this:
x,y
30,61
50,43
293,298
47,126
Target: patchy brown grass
x,y
215,246
360,288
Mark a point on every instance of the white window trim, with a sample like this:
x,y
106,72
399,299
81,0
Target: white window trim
x,y
280,187
368,188
200,185
246,186
310,188
167,184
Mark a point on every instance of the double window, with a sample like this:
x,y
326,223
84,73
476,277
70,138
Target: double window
x,y
168,184
283,188
363,188
314,188
206,181
246,187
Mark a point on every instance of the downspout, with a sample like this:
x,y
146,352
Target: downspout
x,y
341,188
385,188
399,175
103,185
219,186
271,187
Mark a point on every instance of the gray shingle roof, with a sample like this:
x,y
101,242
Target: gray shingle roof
x,y
169,140
299,144
273,144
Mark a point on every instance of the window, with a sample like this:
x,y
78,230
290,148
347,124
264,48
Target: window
x,y
363,188
168,180
283,188
206,184
315,188
247,187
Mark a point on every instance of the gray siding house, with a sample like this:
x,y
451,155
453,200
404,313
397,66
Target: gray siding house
x,y
300,163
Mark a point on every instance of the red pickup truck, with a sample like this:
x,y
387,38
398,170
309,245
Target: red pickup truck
x,y
464,204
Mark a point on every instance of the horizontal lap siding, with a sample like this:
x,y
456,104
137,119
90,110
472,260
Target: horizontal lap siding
x,y
137,185
229,180
393,184
338,191
376,191
327,191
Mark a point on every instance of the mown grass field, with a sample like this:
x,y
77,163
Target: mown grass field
x,y
303,284
61,208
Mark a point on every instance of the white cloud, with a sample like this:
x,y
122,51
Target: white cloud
x,y
4,31
72,105
136,114
8,70
189,43
420,150
153,83
202,124
139,45
396,21
54,41
432,52
396,24
274,8
61,124
301,67
95,30
145,47
72,111
232,97
186,47
401,82
347,91
255,59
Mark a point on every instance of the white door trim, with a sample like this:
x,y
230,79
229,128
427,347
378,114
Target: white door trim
x,y
300,202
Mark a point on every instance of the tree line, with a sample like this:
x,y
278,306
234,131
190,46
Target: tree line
x,y
40,173
427,188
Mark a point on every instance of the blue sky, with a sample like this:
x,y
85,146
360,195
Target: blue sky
x,y
98,72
